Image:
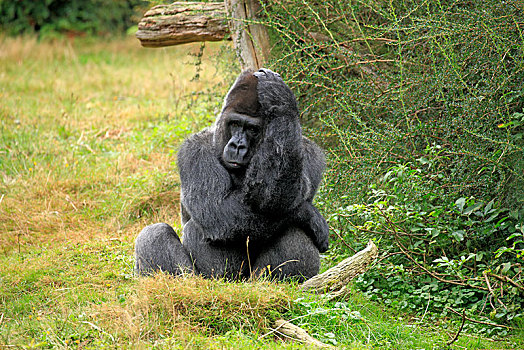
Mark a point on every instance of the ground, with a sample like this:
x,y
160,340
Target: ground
x,y
89,132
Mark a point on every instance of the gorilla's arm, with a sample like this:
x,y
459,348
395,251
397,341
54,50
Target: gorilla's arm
x,y
307,217
207,197
285,173
283,177
287,168
274,182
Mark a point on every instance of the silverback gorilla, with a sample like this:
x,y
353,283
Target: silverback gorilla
x,y
247,189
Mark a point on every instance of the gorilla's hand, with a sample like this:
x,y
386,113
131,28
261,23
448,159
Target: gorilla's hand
x,y
274,96
243,222
313,223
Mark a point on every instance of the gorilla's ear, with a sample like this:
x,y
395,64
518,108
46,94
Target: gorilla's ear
x,y
243,96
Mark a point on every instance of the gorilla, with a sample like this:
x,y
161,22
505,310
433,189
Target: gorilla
x,y
248,185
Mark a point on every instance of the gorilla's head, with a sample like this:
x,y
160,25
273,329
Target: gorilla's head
x,y
239,127
248,107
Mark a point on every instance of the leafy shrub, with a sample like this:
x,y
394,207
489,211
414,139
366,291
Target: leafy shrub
x,y
49,17
420,107
438,254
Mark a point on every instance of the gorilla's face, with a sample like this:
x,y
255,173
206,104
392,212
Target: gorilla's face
x,y
240,127
244,133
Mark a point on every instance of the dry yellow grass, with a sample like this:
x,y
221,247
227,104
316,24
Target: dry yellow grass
x,y
194,305
72,113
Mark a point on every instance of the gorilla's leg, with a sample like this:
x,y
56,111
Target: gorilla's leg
x,y
158,247
214,261
293,255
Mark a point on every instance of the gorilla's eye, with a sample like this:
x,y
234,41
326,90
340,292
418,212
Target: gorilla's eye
x,y
234,124
252,129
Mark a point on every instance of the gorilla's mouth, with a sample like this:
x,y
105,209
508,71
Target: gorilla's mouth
x,y
235,165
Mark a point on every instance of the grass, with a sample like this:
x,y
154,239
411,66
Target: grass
x,y
88,135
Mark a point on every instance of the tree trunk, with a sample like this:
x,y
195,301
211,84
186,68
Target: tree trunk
x,y
250,38
183,22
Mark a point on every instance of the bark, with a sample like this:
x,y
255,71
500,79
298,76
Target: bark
x,y
183,22
335,280
250,38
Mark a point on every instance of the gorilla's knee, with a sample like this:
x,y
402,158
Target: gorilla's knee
x,y
158,247
293,255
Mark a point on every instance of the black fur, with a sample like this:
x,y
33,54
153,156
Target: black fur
x,y
252,212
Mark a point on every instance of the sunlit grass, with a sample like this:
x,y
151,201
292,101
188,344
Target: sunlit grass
x,y
90,131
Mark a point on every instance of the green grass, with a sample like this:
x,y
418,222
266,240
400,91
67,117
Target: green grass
x,y
88,137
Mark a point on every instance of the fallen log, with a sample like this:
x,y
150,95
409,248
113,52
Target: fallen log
x,y
293,332
335,280
183,22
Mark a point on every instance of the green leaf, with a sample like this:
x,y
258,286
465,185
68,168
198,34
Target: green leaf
x,y
473,208
492,217
505,267
488,207
460,203
518,234
458,235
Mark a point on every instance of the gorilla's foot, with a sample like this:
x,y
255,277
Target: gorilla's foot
x,y
158,248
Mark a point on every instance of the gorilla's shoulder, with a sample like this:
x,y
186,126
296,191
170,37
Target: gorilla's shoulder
x,y
203,137
202,140
196,146
312,149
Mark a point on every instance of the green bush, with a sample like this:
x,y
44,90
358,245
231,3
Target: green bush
x,y
420,108
50,17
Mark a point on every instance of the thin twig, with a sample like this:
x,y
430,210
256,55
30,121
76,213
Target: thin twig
x,y
482,322
71,202
491,289
426,311
248,258
460,328
388,256
343,241
506,279
404,250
